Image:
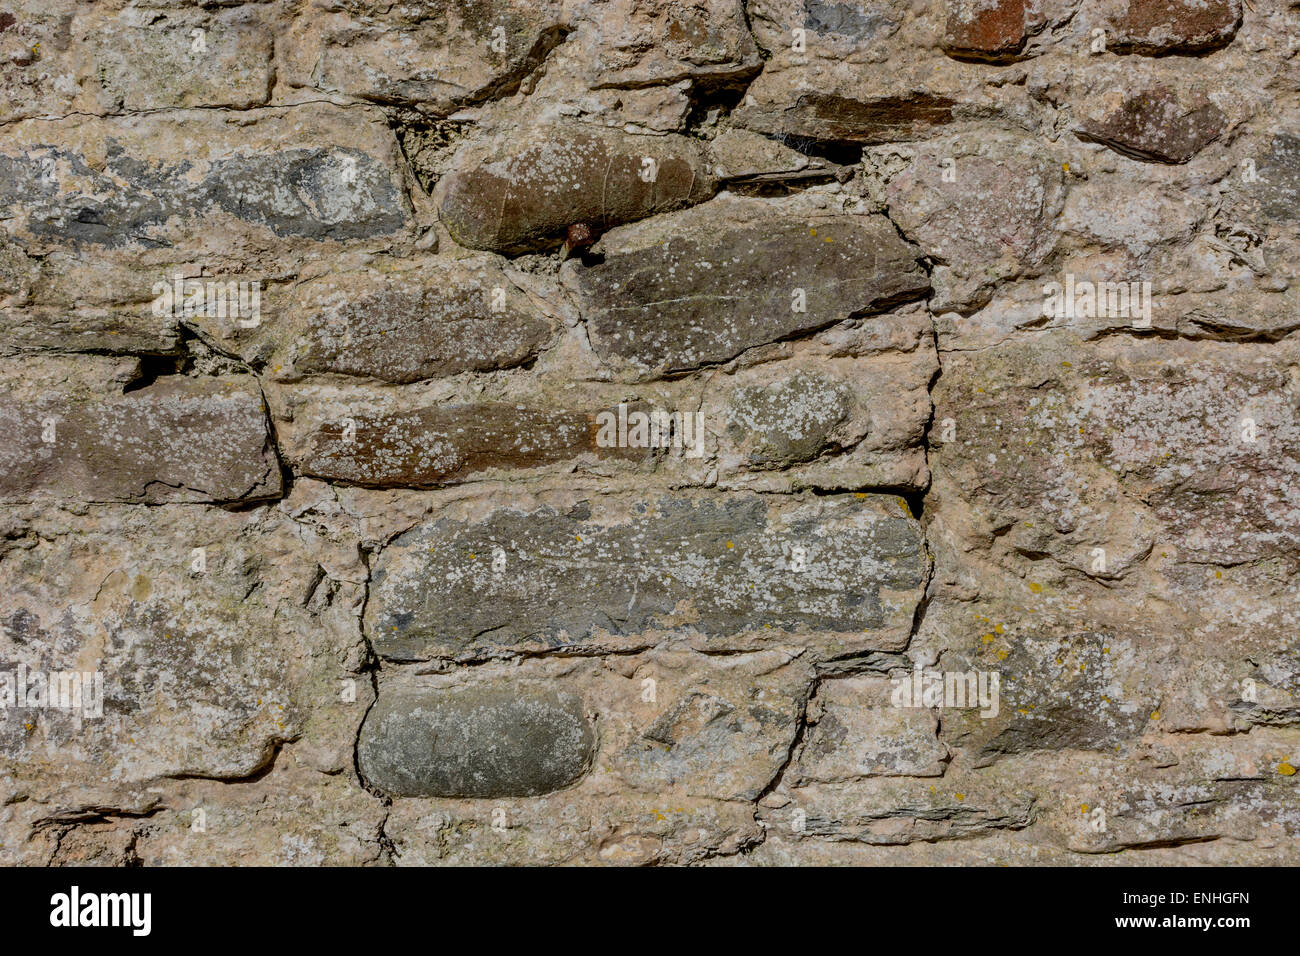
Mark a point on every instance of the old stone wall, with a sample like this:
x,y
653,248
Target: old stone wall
x,y
649,431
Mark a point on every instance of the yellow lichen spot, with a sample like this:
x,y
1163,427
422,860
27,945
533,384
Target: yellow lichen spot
x,y
1285,769
1081,666
1083,808
1155,715
730,545
829,239
473,556
1001,653
577,537
1066,365
859,494
1218,574
960,796
812,232
999,629
1066,167
1035,587
987,638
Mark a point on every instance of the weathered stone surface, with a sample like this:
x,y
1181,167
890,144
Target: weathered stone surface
x,y
367,586
601,575
437,58
38,68
893,811
834,424
994,30
1271,197
1174,26
1154,124
143,59
984,212
705,297
523,190
431,446
855,731
828,116
178,439
433,321
634,43
292,183
431,745
630,829
1098,452
121,591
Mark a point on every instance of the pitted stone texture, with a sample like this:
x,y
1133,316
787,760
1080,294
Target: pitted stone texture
x,y
626,44
160,601
1153,123
1177,789
405,326
1270,200
737,274
985,212
611,574
522,190
71,302
431,446
437,58
1124,444
138,59
1172,26
855,731
834,423
178,439
299,819
892,811
432,744
1076,692
619,829
38,63
315,173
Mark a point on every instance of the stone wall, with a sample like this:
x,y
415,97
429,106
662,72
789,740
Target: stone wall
x,y
649,431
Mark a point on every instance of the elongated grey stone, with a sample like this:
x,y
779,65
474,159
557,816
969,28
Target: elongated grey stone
x,y
717,567
475,742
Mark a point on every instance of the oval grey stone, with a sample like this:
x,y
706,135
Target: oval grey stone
x,y
475,742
